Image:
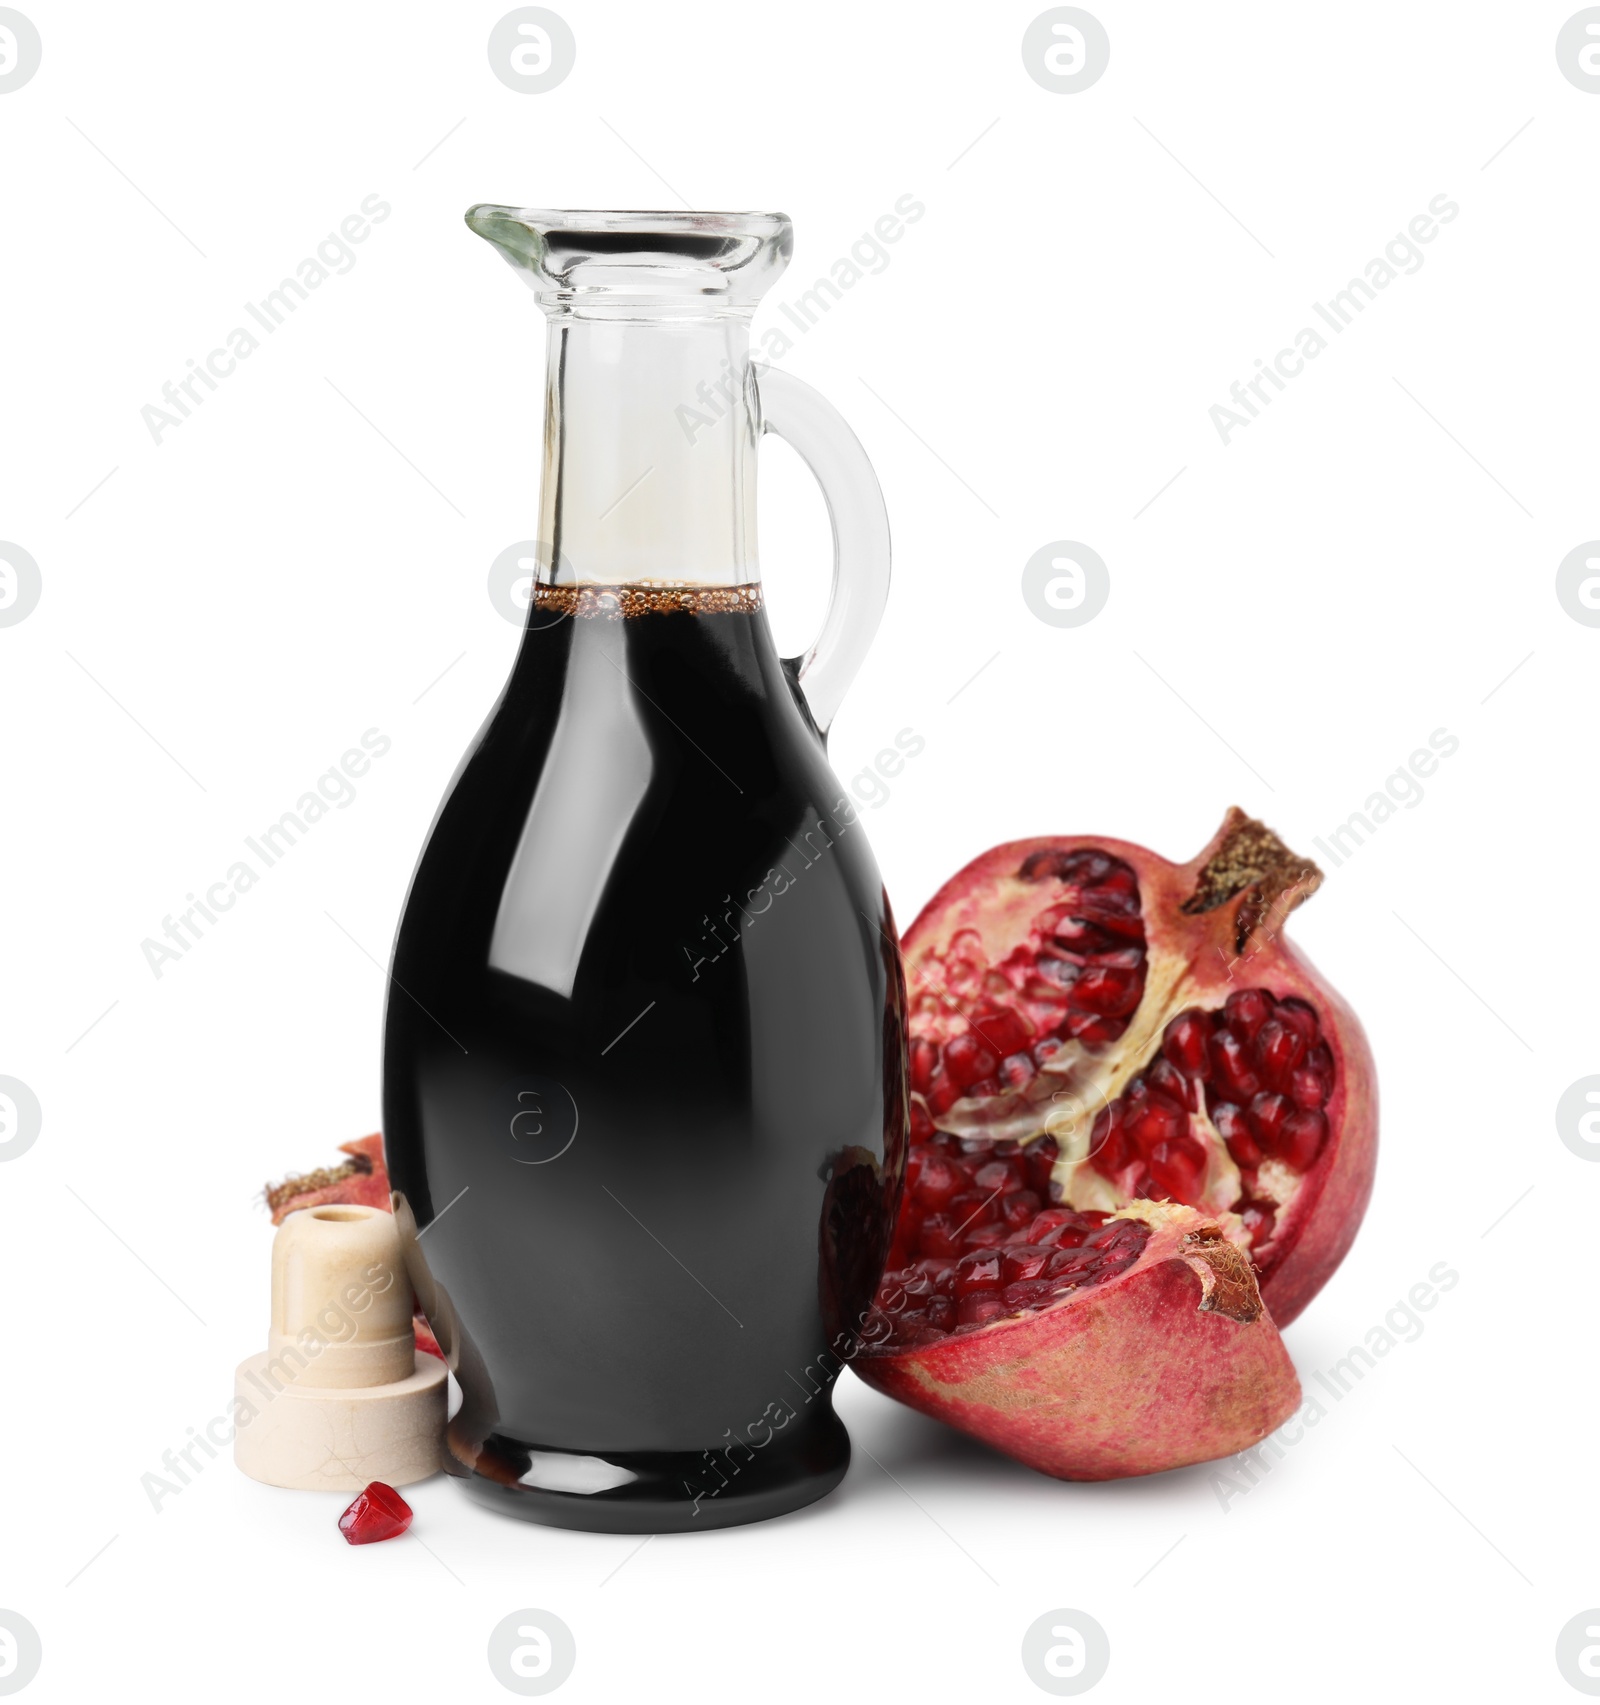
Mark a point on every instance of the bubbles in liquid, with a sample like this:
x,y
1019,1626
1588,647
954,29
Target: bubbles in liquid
x,y
644,598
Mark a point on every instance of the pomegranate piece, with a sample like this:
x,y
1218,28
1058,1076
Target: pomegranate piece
x,y
377,1513
1182,1049
362,1179
1160,1354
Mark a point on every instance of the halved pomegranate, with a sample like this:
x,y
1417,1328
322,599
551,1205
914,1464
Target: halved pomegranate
x,y
1093,1025
1152,1349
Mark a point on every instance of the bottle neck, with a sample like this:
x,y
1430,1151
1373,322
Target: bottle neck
x,y
650,452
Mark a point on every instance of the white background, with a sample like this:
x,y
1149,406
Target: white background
x,y
1366,563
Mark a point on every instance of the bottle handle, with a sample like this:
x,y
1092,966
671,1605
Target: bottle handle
x,y
818,433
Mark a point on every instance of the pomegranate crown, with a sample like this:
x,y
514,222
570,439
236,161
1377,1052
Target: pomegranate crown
x,y
1247,862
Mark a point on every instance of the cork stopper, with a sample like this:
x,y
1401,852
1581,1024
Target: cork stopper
x,y
337,1274
341,1396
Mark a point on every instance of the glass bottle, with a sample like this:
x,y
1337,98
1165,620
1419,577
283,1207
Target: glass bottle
x,y
644,1052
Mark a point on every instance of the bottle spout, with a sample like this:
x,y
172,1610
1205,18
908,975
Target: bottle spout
x,y
619,264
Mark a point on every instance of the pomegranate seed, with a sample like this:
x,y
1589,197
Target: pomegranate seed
x,y
1321,1060
941,1314
924,1057
1027,1294
1018,1207
938,1270
983,1088
1118,959
1107,991
1088,865
942,1094
990,1235
1154,1121
938,1236
921,1124
1118,1263
1126,1235
1050,863
1234,1128
1308,1088
1246,1010
967,1060
979,1271
1120,880
377,1513
1094,1032
1178,1167
1167,1081
1109,1148
1117,914
971,1209
1230,1067
1023,1261
1184,1042
1053,1223
980,1308
1071,1263
1301,1015
1017,1071
1279,1048
1050,1046
1059,973
1038,1160
1002,1031
998,1175
937,1182
1248,1154
1078,935
1302,1137
1267,1114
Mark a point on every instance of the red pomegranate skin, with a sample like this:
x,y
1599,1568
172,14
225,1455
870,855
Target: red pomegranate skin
x,y
1238,891
1173,1361
361,1180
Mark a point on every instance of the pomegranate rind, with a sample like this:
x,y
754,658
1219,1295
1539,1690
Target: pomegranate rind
x,y
1172,1362
1211,925
363,1180
1315,1234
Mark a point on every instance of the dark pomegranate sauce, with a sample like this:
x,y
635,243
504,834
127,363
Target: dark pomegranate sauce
x,y
644,1081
